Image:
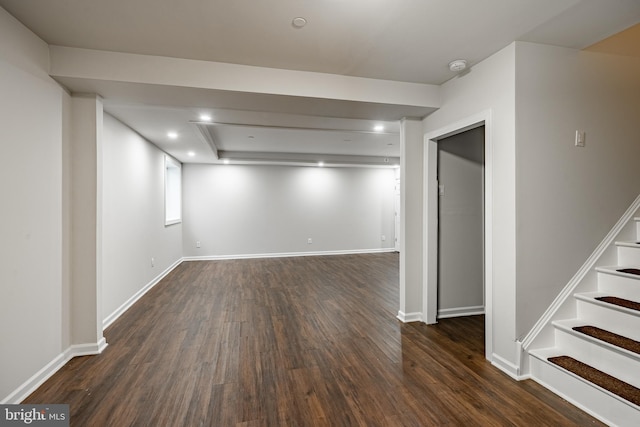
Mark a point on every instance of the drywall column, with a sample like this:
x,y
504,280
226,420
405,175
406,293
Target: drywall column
x,y
411,220
86,211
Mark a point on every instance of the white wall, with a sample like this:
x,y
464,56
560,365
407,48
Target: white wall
x,y
85,263
255,210
133,216
490,87
570,197
411,220
31,231
564,198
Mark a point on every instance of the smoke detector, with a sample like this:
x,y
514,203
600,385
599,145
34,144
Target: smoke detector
x,y
457,65
299,22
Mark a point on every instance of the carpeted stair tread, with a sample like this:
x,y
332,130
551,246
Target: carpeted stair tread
x,y
635,271
610,337
606,381
621,302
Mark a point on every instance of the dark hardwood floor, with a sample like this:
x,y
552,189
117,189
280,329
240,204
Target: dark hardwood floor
x,y
293,342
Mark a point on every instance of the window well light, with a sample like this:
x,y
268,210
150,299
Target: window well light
x,y
205,117
191,153
225,161
320,164
378,128
172,135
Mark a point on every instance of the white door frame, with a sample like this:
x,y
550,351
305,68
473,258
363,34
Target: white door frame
x,y
396,213
430,238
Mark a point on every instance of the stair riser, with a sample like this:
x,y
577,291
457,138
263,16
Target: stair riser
x,y
623,287
590,399
611,320
629,255
621,366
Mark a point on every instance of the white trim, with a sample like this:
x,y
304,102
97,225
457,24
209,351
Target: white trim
x,y
409,317
430,230
29,386
574,402
507,367
430,242
287,254
613,271
26,388
570,398
87,349
590,297
128,303
76,350
587,267
446,313
631,244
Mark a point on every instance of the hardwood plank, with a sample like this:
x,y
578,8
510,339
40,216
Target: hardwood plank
x,y
307,341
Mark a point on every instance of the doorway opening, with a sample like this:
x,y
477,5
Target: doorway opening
x,y
457,228
460,174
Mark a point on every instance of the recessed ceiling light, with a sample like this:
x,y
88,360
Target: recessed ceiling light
x,y
378,128
321,164
172,135
191,153
299,22
205,117
225,161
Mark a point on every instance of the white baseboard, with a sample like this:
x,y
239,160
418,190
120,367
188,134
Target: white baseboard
x,y
460,311
409,317
507,367
86,349
29,386
75,350
287,254
128,303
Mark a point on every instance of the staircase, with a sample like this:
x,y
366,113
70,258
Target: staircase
x,y
588,351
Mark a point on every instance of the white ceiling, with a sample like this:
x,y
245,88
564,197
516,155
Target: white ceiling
x,y
399,40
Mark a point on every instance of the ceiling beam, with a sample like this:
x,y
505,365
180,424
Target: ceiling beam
x,y
69,62
309,159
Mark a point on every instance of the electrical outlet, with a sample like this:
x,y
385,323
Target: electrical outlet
x,y
153,262
197,243
580,138
384,237
309,241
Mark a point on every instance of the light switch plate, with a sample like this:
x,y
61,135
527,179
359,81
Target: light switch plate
x,y
580,137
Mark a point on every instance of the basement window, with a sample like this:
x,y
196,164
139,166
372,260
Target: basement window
x,y
172,191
